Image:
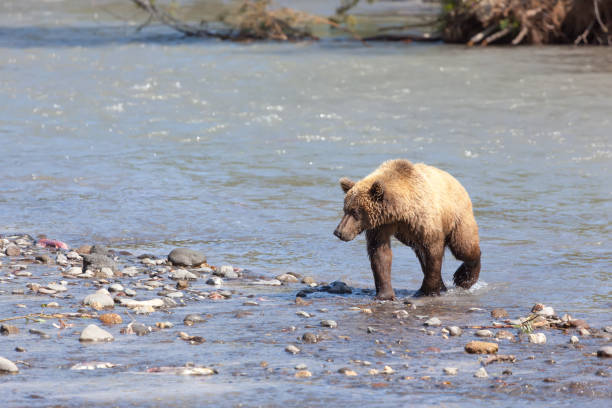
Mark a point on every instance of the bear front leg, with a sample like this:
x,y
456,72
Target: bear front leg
x,y
431,263
380,254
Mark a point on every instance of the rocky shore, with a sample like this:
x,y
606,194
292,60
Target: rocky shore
x,y
94,309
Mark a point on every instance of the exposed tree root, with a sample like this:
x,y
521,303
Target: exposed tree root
x,y
528,21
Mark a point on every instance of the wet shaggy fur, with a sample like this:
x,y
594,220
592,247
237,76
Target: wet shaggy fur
x,y
423,207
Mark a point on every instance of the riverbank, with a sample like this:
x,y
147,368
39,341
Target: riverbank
x,y
470,22
111,326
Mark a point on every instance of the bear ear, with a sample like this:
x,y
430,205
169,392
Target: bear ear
x,y
346,184
377,191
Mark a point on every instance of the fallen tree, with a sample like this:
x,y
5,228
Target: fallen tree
x,y
248,20
528,21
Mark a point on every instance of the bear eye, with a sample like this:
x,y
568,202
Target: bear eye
x,y
354,214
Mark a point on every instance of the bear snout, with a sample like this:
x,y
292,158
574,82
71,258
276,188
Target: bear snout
x,y
348,228
339,234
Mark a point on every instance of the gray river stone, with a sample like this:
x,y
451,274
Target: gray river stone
x,y
338,287
191,319
186,257
99,249
8,366
94,333
182,274
605,351
226,271
215,281
98,261
454,330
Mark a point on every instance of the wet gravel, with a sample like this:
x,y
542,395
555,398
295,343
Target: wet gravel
x,y
127,321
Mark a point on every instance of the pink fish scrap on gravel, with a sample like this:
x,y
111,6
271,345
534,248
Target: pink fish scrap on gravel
x,y
52,243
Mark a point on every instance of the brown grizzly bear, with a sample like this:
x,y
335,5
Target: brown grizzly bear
x,y
423,207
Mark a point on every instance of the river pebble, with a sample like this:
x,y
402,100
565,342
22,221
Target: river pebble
x,y
227,272
39,333
302,313
347,371
73,256
269,282
484,333
504,334
105,272
46,291
584,332
605,351
44,258
287,278
574,340
130,271
454,330
481,347
98,261
74,271
215,281
192,319
110,319
387,370
292,349
93,333
22,273
309,338
329,323
338,287
542,310
57,287
8,366
182,274
434,321
499,313
303,374
309,280
61,259
129,292
140,329
537,338
92,365
186,257
99,300
7,329
132,304
481,373
450,370
116,287
12,250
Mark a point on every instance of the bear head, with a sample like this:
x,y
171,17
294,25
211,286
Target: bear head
x,y
364,203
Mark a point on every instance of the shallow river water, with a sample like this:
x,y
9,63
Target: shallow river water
x,y
148,141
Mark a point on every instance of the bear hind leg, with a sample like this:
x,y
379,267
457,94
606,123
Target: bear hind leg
x,y
464,245
431,263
